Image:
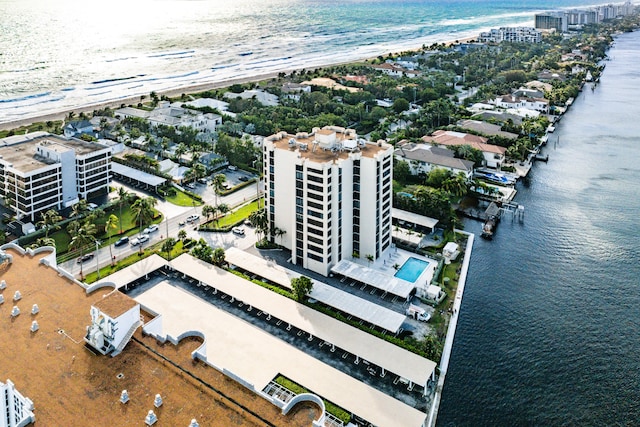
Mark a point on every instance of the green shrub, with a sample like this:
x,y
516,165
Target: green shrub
x,y
331,408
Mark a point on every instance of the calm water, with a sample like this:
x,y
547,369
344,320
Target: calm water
x,y
61,54
549,332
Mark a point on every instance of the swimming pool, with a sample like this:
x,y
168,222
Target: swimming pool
x,y
411,269
409,195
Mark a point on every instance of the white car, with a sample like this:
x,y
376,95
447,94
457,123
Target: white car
x,y
150,229
144,238
238,230
134,242
193,218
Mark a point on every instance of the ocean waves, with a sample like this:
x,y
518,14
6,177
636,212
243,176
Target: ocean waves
x,y
211,45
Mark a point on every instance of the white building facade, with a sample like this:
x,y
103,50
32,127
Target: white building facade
x,y
40,171
511,34
15,409
331,195
114,319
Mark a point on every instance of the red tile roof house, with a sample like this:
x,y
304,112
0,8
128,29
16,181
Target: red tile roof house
x,y
494,155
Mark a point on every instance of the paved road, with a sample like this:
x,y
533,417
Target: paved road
x,y
170,227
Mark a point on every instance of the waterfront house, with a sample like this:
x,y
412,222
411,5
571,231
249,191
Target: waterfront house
x,y
494,155
294,91
265,98
485,128
173,115
422,158
77,128
516,102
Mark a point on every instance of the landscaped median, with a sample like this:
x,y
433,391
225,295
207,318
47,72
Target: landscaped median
x,y
227,222
179,248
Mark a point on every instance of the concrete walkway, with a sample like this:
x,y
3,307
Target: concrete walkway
x,y
451,332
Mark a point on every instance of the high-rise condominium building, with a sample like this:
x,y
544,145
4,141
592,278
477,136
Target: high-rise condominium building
x,y
328,196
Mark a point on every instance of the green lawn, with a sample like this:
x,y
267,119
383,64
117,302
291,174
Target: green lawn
x,y
232,218
182,199
178,249
129,227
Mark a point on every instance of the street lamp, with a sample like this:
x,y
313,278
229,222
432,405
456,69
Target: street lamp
x,y
97,260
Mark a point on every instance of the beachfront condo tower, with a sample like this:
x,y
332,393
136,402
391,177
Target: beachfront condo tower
x,y
328,196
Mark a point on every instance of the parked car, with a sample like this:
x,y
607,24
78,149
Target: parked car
x,y
150,229
232,168
122,241
193,218
202,180
191,185
85,257
243,179
238,230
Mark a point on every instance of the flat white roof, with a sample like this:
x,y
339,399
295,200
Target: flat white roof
x,y
326,294
375,350
257,357
136,174
135,271
374,278
413,218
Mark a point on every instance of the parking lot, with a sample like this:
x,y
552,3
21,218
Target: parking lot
x,y
235,178
342,360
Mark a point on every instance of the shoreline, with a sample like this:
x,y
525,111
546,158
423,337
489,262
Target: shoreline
x,y
191,89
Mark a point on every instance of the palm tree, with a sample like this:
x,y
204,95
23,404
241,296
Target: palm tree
x,y
81,238
199,170
112,222
143,210
369,258
222,209
49,220
123,197
218,184
168,245
209,211
218,256
260,221
180,150
182,235
79,209
278,232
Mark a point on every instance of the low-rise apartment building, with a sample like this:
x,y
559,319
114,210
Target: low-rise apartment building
x,y
40,171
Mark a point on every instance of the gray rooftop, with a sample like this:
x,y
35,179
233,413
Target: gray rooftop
x,y
322,292
433,155
382,353
136,174
256,357
413,218
20,150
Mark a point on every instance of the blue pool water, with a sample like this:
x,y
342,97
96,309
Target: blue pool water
x,y
409,195
411,269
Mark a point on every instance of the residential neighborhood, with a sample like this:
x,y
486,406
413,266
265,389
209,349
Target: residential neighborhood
x,y
309,224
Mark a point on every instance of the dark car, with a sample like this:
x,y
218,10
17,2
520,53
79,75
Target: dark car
x,y
243,179
84,258
122,241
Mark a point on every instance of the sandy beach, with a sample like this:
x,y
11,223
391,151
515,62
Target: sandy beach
x,y
89,108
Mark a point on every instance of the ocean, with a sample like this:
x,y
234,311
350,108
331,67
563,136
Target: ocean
x,y
64,54
549,328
